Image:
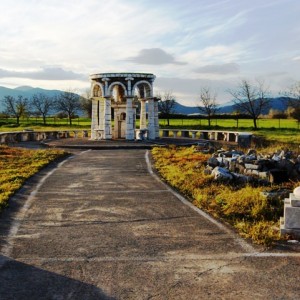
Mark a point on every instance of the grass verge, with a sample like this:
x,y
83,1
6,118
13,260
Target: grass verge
x,y
244,207
17,165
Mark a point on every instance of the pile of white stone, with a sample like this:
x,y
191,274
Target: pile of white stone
x,y
243,167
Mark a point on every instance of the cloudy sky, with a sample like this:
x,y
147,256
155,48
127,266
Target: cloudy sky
x,y
189,44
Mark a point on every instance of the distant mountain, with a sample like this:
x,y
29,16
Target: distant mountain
x,y
185,110
280,104
23,88
25,91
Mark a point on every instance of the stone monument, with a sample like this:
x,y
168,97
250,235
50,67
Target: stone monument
x,y
290,223
117,96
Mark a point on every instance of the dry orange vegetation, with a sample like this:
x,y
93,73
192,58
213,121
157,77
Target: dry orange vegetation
x,y
17,165
244,207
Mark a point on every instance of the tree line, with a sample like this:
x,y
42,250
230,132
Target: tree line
x,y
249,98
66,103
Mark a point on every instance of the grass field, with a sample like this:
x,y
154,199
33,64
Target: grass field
x,y
224,123
232,123
37,124
280,130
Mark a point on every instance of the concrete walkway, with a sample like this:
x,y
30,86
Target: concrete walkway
x,y
100,225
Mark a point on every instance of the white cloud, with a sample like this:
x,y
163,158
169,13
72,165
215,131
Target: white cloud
x,y
47,73
195,40
226,25
154,56
186,90
222,69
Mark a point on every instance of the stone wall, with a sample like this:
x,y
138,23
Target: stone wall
x,y
27,136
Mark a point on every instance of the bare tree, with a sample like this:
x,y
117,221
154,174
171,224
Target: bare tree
x,y
86,103
251,99
42,104
16,107
69,103
208,104
166,105
296,114
293,95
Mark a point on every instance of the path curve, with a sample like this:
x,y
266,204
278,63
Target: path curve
x,y
102,226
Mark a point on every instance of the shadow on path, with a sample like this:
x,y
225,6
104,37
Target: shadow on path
x,y
22,281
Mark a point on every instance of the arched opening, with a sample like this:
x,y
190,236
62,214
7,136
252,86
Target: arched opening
x,y
142,89
118,94
117,90
97,91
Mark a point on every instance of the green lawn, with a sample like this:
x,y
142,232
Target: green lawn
x,y
283,130
233,124
37,124
188,123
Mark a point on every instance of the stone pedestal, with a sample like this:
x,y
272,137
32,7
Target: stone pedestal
x,y
290,223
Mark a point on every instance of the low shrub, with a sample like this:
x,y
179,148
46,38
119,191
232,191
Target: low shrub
x,y
261,232
17,165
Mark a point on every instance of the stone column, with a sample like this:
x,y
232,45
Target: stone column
x,y
107,118
95,118
105,80
143,121
129,119
101,114
129,79
151,119
156,121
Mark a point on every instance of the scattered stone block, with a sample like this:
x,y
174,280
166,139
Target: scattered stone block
x,y
295,200
251,152
277,194
222,174
252,166
264,175
213,162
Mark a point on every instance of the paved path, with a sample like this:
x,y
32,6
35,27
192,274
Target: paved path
x,y
101,226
